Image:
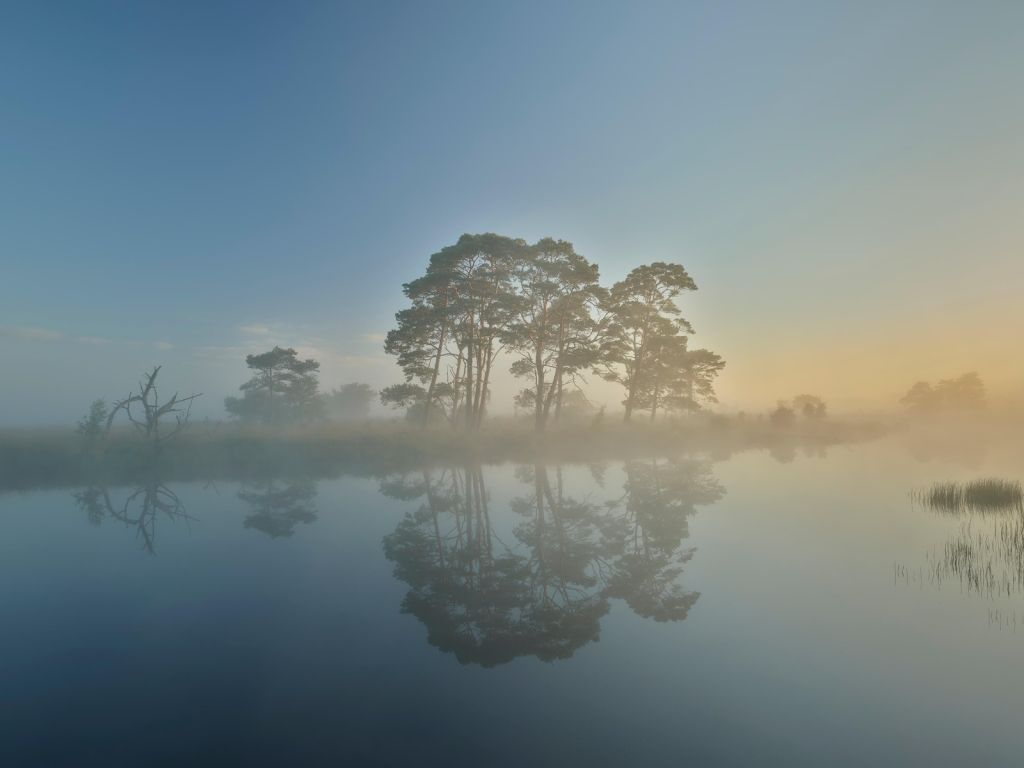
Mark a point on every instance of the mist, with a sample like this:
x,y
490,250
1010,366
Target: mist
x,y
553,384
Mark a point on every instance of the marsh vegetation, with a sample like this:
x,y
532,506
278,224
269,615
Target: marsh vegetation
x,y
984,496
984,556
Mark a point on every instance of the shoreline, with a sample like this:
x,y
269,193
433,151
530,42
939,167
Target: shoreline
x,y
54,458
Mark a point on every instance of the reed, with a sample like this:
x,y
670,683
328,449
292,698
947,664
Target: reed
x,y
984,496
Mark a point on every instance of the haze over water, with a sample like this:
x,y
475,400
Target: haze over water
x,y
754,609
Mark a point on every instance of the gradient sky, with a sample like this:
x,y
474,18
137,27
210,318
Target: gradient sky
x,y
186,182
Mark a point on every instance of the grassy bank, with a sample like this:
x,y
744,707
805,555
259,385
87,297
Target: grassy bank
x,y
57,457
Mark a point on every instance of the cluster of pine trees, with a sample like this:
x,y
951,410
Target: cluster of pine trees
x,y
543,306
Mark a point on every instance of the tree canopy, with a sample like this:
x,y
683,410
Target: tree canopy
x,y
542,305
282,389
964,393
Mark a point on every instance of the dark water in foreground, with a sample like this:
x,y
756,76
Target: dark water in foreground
x,y
751,611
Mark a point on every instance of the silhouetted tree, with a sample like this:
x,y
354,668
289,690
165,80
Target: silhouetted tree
x,y
91,426
459,313
783,415
148,414
810,407
283,388
696,385
553,332
644,315
350,402
423,337
920,398
965,393
543,304
677,379
414,397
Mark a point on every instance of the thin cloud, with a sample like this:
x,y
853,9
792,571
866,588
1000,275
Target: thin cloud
x,y
47,335
29,333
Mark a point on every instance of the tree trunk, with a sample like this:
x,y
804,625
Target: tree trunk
x,y
469,374
558,398
538,391
484,381
638,362
556,381
455,391
433,376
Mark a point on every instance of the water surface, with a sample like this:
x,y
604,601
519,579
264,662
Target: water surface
x,y
791,609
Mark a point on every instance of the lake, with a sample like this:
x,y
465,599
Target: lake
x,y
791,609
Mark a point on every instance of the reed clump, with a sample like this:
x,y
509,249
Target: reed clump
x,y
984,496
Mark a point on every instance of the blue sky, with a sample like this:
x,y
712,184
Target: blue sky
x,y
185,182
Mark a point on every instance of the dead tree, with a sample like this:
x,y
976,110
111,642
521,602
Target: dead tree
x,y
144,410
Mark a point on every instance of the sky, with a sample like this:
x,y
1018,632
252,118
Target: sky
x,y
185,183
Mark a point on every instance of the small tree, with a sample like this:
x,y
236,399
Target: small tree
x,y
91,426
783,415
283,388
810,407
350,402
965,392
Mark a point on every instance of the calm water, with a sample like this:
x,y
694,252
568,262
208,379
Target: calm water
x,y
790,610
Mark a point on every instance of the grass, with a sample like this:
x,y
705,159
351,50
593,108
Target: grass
x,y
36,458
987,560
984,496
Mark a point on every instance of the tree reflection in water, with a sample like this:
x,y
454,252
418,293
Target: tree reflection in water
x,y
660,497
140,509
543,593
277,509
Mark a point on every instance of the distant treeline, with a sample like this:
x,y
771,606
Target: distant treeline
x,y
964,393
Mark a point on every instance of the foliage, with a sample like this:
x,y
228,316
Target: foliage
x,y
543,305
810,406
782,416
553,333
91,426
283,389
965,393
350,401
452,331
646,334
